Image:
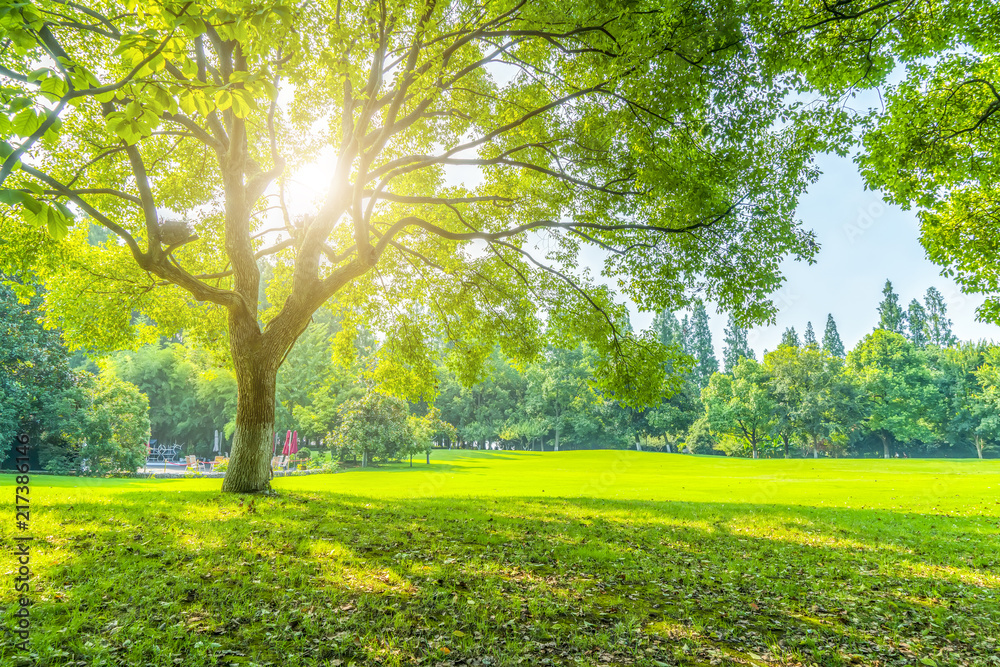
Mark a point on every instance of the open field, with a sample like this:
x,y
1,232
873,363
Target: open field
x,y
571,558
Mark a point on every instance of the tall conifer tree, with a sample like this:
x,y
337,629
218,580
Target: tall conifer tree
x,y
938,324
831,338
736,345
916,324
701,346
891,316
809,338
790,337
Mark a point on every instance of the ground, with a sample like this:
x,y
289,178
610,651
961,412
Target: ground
x,y
495,558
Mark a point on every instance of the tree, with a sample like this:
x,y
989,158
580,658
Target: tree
x,y
38,390
739,405
374,426
790,338
967,387
669,330
560,389
674,417
891,316
115,426
701,347
809,337
735,345
165,127
814,399
986,407
831,338
896,389
916,324
938,324
190,396
934,149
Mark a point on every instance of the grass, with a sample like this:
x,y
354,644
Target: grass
x,y
496,559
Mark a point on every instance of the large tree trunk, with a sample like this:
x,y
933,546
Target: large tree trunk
x,y
979,447
885,447
250,464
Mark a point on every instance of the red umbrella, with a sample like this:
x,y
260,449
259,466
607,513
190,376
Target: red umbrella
x,y
285,451
295,442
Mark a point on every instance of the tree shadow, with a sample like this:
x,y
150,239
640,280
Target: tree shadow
x,y
312,576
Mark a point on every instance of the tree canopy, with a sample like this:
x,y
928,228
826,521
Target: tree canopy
x,y
671,138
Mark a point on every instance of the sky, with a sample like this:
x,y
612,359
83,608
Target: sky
x,y
863,242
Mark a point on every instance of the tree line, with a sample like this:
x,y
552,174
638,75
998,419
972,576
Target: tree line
x,y
909,388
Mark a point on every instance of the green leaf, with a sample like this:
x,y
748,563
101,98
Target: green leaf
x,y
928,661
57,224
223,99
14,197
25,123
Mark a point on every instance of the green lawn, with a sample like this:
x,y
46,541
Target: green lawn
x,y
572,558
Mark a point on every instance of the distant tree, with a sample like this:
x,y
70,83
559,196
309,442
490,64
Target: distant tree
x,y
739,405
700,437
916,324
831,338
305,370
114,429
375,426
190,395
790,337
938,325
735,345
969,415
674,417
668,329
701,347
986,410
560,390
891,316
38,389
685,336
816,399
896,389
809,337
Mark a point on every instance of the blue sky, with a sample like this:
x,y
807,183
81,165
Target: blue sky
x,y
863,242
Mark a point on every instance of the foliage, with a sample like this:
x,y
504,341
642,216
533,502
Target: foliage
x,y
701,346
831,338
739,405
890,313
916,324
817,404
375,426
190,396
934,149
735,345
899,398
115,431
790,338
938,324
809,337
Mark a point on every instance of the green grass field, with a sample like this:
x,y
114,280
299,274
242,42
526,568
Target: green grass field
x,y
490,559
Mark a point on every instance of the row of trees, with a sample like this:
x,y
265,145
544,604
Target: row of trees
x,y
892,393
926,401
79,420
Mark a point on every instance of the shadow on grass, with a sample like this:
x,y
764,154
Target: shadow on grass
x,y
197,578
